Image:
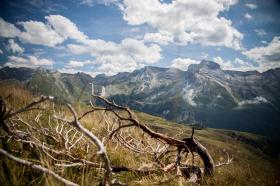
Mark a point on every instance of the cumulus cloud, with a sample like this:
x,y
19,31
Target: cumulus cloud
x,y
189,21
14,47
69,70
236,64
40,62
78,64
111,65
260,32
161,38
267,56
252,6
74,66
54,31
36,32
141,52
7,29
78,49
248,16
183,63
65,28
107,64
136,49
28,61
125,56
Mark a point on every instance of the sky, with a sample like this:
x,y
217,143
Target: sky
x,y
113,36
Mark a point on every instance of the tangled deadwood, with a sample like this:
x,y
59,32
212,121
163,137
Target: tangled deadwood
x,y
58,138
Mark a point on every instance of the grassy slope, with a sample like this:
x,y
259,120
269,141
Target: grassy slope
x,y
251,166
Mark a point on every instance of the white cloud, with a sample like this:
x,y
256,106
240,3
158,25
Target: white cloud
x,y
1,52
141,52
29,62
267,56
69,70
111,65
260,32
251,6
248,16
54,31
36,32
189,21
112,57
14,47
131,47
108,64
183,63
236,64
92,2
65,28
160,38
57,29
40,62
78,64
7,29
73,66
78,49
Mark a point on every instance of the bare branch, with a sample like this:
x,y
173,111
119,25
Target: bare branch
x,y
29,106
37,167
101,149
189,144
227,162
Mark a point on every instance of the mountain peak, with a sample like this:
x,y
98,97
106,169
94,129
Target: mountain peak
x,y
153,68
204,64
209,64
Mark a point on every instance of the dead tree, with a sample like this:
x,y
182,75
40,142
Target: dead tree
x,y
10,120
188,145
101,148
122,128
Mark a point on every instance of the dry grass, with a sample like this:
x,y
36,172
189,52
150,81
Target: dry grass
x,y
250,166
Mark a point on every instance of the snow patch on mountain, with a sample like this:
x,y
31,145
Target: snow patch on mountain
x,y
189,95
255,101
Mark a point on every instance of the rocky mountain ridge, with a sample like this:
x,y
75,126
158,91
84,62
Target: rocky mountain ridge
x,y
247,101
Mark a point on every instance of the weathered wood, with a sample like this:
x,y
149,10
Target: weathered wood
x,y
197,147
188,144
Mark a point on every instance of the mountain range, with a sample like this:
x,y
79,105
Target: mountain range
x,y
204,94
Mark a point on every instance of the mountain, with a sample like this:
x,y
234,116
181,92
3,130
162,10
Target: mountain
x,y
206,94
65,87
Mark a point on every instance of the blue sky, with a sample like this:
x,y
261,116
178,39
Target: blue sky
x,y
112,36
